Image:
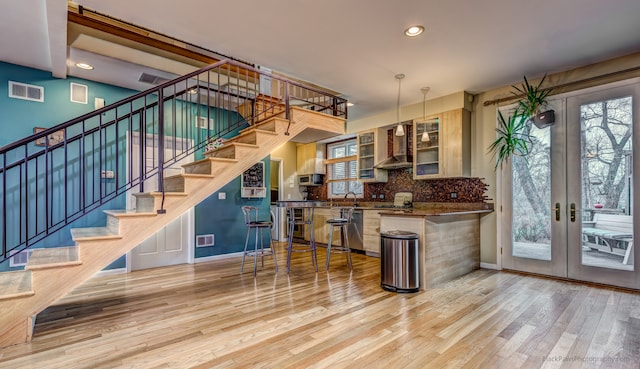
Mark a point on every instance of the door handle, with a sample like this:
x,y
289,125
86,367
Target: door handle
x,y
572,212
557,209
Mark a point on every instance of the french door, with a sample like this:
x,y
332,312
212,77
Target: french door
x,y
568,207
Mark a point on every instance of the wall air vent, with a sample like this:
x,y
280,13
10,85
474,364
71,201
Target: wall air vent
x,y
18,90
79,93
201,122
205,240
151,79
19,258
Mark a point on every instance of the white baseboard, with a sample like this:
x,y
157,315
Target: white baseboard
x,y
489,266
218,257
110,272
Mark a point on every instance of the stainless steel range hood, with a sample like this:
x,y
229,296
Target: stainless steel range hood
x,y
399,157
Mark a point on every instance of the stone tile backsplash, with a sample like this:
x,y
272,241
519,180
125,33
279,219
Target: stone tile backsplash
x,y
429,190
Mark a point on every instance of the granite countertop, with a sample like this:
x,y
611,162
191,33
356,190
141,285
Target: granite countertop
x,y
432,212
419,209
301,203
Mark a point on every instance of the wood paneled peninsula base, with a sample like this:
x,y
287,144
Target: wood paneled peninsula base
x,y
449,241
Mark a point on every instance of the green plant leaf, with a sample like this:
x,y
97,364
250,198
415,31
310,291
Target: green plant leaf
x,y
511,139
532,98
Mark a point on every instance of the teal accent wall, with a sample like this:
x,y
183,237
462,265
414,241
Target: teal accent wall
x,y
224,218
20,116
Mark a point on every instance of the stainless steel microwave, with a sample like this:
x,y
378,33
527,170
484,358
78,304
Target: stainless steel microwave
x,y
310,179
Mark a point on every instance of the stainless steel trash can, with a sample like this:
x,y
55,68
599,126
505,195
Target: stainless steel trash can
x,y
399,264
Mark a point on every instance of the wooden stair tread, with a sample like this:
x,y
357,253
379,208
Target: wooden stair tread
x,y
157,194
93,233
209,159
251,129
265,122
190,175
243,144
53,257
15,284
129,213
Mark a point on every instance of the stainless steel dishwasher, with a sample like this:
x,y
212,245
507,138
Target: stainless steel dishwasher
x,y
355,231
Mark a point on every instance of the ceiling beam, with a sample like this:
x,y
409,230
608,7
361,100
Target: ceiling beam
x,y
56,15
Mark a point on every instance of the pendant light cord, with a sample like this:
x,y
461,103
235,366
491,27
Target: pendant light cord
x,y
399,130
425,91
399,77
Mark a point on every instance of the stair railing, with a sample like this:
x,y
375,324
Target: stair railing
x,y
56,177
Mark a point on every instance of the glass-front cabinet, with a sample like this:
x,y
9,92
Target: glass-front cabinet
x,y
442,145
368,156
427,147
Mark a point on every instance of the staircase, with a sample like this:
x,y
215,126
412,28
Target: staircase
x,y
51,273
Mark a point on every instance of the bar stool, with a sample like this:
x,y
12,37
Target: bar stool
x,y
343,224
252,222
306,221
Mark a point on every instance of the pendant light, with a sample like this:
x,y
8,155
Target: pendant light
x,y
425,134
400,128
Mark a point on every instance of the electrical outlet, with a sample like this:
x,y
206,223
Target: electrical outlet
x,y
454,195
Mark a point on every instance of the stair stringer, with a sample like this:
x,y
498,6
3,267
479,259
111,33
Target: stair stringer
x,y
17,315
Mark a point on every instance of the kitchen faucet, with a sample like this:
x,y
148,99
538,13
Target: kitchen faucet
x,y
354,197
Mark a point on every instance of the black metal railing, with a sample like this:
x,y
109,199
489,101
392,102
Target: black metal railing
x,y
57,176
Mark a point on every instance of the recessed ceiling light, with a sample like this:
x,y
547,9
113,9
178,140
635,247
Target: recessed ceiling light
x,y
192,91
84,66
350,104
414,31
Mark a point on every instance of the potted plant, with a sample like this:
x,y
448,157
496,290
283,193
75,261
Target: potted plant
x,y
533,103
512,138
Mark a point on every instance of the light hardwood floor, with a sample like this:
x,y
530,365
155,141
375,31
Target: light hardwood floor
x,y
210,316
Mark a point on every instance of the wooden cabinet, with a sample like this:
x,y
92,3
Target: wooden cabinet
x,y
369,154
310,158
442,145
371,232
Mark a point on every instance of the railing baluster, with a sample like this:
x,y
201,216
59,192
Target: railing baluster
x,y
4,206
161,147
81,158
286,107
101,145
46,183
26,203
116,140
174,123
66,177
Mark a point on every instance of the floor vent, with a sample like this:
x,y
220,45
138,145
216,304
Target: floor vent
x,y
18,90
19,258
205,240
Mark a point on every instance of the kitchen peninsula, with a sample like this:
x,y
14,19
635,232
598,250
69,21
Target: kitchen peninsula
x,y
449,239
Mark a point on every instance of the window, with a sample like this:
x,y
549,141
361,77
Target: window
x,y
341,169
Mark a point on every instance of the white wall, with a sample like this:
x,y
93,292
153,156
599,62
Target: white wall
x,y
289,185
